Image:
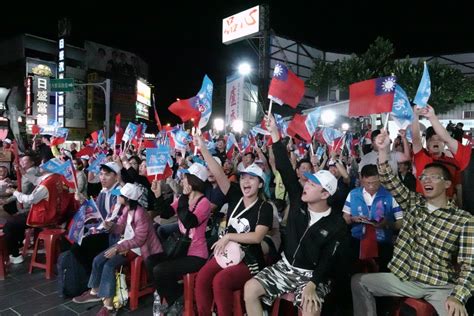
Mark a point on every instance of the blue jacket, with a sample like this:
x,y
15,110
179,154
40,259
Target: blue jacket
x,y
381,208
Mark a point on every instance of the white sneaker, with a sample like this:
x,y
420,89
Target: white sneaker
x,y
16,260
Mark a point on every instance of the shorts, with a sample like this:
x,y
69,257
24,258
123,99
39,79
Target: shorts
x,y
282,278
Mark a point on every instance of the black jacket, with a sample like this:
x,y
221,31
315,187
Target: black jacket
x,y
313,247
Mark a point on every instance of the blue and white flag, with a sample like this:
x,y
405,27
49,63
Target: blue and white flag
x,y
320,152
157,159
401,110
424,89
312,120
94,167
130,132
205,101
181,139
86,217
330,134
52,165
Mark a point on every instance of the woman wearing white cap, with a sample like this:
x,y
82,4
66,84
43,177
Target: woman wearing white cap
x,y
193,210
249,219
139,239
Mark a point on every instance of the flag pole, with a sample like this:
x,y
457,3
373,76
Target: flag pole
x,y
270,108
386,121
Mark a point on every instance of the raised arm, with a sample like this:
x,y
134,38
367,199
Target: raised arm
x,y
283,165
440,130
404,197
415,130
221,178
406,146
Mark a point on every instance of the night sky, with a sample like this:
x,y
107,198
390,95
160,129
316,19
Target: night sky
x,y
182,41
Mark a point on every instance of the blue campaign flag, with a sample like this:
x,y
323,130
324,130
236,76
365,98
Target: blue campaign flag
x,y
181,139
52,165
157,159
94,167
100,137
330,134
205,101
424,89
312,120
401,110
320,152
130,132
86,217
111,140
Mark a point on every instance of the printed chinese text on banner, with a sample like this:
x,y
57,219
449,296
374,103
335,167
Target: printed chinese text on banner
x,y
371,96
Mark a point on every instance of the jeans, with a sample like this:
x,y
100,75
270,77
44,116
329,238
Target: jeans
x,y
103,273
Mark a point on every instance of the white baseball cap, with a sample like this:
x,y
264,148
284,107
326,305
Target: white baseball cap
x,y
198,170
85,157
255,171
131,191
218,160
325,179
112,166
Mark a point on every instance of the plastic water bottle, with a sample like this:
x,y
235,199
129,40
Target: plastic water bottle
x,y
156,304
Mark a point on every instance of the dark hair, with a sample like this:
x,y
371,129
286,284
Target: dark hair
x,y
302,161
196,183
430,132
107,169
374,134
250,153
132,204
48,137
440,166
369,171
406,163
136,158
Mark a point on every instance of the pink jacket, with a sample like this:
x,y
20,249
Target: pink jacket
x,y
145,237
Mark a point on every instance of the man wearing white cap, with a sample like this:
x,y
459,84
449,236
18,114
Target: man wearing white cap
x,y
314,234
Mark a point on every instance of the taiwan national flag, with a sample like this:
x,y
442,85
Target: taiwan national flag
x,y
186,109
297,126
371,96
285,87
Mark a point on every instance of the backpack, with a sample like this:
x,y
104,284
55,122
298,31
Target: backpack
x,y
72,276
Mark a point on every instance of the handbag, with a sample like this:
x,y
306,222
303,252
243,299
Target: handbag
x,y
233,253
177,245
121,291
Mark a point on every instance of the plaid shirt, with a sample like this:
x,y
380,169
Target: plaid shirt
x,y
429,241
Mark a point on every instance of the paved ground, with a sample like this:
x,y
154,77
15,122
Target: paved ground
x,y
31,294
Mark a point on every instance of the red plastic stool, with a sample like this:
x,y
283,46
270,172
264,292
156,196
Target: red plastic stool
x,y
3,257
188,282
138,283
421,307
51,238
29,232
290,297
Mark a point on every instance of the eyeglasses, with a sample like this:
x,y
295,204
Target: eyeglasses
x,y
432,178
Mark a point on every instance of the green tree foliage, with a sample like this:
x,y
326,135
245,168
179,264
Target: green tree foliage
x,y
449,87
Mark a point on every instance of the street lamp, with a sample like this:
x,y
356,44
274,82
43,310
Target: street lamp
x,y
219,124
245,69
238,126
328,117
345,127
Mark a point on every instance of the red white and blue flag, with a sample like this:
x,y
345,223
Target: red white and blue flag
x,y
371,96
285,87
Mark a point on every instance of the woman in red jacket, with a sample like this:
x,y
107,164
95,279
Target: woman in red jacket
x,y
139,239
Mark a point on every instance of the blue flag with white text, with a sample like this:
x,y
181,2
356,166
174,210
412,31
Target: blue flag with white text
x,y
424,89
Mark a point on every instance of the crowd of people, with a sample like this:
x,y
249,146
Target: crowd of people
x,y
268,221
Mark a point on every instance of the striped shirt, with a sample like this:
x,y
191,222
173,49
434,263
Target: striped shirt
x,y
430,241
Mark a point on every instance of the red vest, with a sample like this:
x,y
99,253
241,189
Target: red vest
x,y
49,211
